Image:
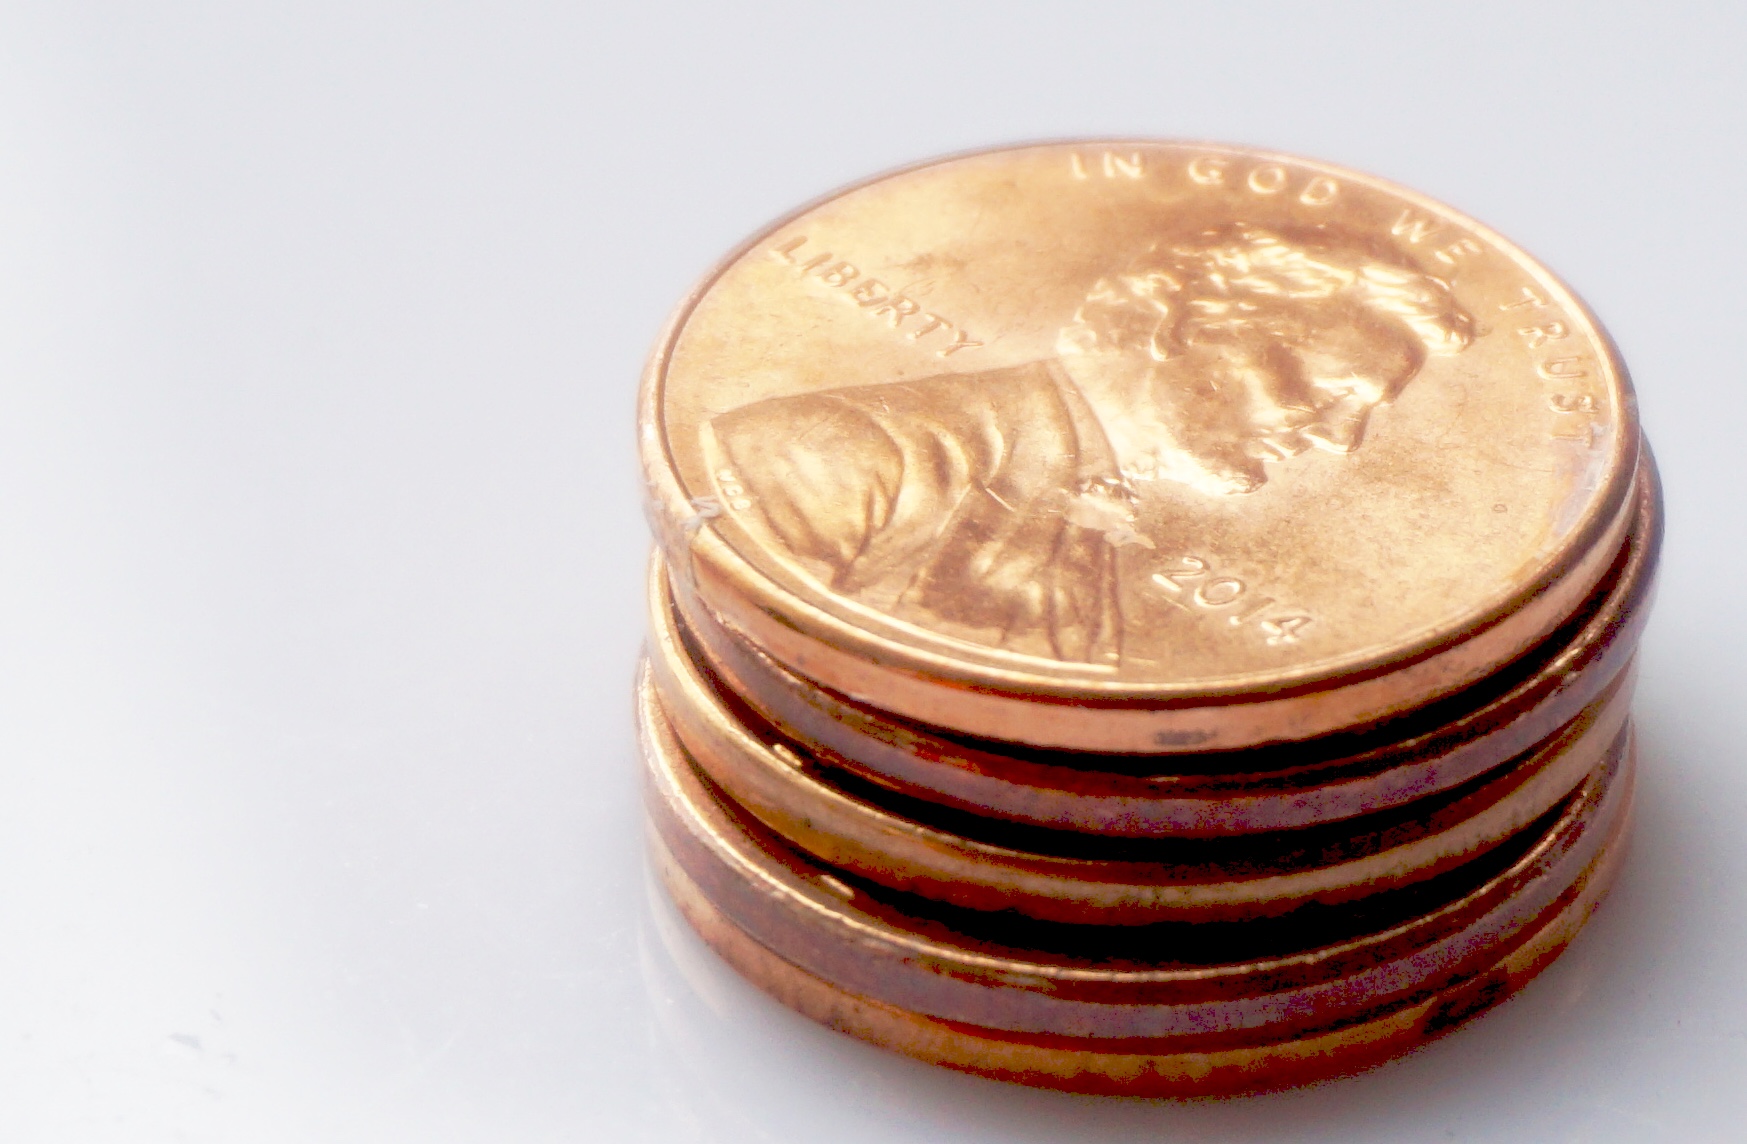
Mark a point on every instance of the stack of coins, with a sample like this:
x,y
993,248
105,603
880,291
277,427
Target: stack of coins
x,y
1140,617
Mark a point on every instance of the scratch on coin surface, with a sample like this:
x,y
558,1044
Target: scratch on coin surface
x,y
707,509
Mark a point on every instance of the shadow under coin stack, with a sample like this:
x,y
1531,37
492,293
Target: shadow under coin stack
x,y
1140,617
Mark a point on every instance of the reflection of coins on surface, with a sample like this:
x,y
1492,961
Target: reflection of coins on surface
x,y
1198,989
1233,448
1289,787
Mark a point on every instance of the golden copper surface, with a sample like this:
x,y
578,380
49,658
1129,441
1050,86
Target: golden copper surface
x,y
1139,617
1264,876
1205,796
1202,986
1136,1069
1237,447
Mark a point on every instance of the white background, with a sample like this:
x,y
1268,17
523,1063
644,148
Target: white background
x,y
320,553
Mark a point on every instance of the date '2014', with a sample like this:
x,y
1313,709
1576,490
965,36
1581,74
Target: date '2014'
x,y
1196,588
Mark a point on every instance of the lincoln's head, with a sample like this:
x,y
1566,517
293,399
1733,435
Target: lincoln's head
x,y
1205,359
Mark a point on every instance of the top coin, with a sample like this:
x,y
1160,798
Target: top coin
x,y
1133,422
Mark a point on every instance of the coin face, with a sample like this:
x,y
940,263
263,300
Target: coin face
x,y
1134,420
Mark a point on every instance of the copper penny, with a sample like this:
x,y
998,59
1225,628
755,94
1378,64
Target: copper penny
x,y
1137,1068
1201,986
1231,447
1072,878
1201,796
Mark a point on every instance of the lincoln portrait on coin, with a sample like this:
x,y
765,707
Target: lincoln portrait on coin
x,y
992,504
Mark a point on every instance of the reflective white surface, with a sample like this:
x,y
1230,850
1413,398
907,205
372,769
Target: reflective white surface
x,y
320,554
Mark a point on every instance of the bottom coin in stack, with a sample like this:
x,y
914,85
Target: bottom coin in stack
x,y
1168,1009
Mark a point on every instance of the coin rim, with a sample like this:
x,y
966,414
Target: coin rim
x,y
1090,1066
843,831
1144,727
1217,799
954,979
